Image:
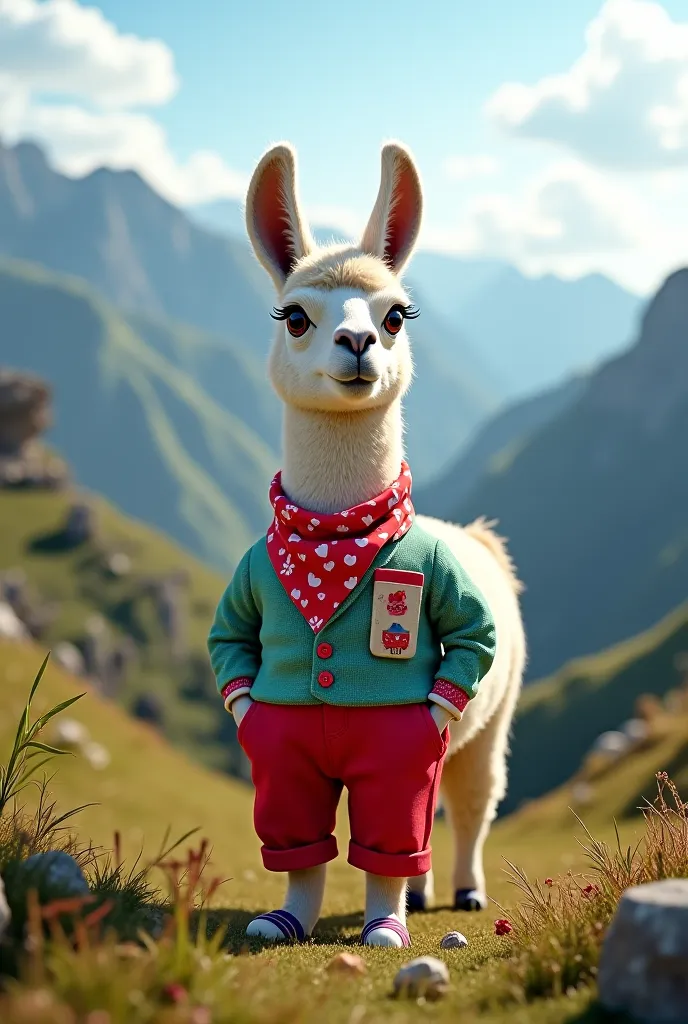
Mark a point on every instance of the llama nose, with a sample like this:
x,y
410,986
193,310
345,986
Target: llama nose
x,y
356,341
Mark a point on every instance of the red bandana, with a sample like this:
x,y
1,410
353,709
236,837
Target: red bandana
x,y
320,558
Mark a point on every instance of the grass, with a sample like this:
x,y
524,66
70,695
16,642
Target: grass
x,y
148,788
559,924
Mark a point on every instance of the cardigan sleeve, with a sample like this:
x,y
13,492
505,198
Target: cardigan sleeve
x,y
465,627
234,639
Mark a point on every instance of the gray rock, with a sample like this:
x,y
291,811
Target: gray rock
x,y
5,912
644,963
54,874
424,977
454,940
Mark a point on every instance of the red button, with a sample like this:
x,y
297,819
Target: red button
x,y
324,650
326,679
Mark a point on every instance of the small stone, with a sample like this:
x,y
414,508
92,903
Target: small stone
x,y
69,657
5,912
119,564
454,940
97,755
70,733
644,964
346,964
11,626
425,977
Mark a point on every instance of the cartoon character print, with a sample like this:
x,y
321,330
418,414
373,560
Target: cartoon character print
x,y
396,603
395,639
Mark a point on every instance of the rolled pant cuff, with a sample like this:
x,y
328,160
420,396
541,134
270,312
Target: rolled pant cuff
x,y
391,865
300,857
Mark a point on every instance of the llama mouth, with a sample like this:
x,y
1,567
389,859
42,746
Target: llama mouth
x,y
355,383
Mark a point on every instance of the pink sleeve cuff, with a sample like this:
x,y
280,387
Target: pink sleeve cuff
x,y
236,688
450,697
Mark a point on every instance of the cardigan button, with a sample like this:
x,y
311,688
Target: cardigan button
x,y
324,650
326,679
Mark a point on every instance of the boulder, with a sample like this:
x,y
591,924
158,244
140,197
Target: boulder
x,y
80,524
24,410
53,874
25,413
644,964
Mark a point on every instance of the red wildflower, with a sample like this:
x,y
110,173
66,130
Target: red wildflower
x,y
175,992
502,927
590,890
549,882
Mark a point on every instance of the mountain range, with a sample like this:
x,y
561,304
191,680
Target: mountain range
x,y
594,501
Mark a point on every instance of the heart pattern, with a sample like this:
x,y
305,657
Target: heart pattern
x,y
316,546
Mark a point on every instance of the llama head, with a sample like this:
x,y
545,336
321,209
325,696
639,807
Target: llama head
x,y
341,344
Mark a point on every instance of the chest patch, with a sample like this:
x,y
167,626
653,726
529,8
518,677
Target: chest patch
x,y
396,613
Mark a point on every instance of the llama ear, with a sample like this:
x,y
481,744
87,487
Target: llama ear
x,y
394,224
278,233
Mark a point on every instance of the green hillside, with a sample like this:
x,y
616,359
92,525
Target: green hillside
x,y
147,787
134,425
559,718
73,584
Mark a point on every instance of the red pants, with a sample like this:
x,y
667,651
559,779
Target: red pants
x,y
389,759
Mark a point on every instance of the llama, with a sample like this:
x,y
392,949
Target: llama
x,y
341,363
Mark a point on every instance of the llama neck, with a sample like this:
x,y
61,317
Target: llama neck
x,y
333,461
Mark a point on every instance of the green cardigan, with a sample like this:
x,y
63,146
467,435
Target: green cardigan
x,y
260,635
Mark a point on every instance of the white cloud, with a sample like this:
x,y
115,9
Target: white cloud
x,y
623,103
59,49
463,168
571,220
569,209
79,141
60,46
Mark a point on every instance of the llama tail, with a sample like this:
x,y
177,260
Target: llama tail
x,y
482,531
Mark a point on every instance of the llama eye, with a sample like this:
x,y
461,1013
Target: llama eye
x,y
394,321
297,320
297,323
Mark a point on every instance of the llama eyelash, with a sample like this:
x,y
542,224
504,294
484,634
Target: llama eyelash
x,y
410,312
285,312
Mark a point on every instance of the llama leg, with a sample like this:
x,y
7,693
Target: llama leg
x,y
421,892
473,783
385,898
303,901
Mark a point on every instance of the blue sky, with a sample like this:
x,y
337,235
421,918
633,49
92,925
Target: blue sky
x,y
588,173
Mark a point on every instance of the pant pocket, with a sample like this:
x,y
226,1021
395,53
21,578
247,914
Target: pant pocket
x,y
439,740
243,725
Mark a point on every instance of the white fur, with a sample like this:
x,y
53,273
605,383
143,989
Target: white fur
x,y
343,446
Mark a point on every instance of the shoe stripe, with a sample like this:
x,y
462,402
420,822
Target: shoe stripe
x,y
391,925
289,925
287,930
